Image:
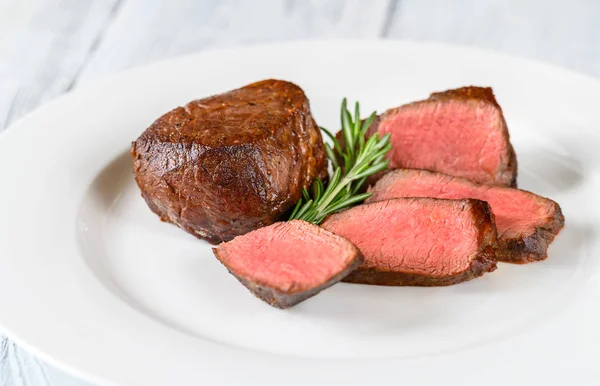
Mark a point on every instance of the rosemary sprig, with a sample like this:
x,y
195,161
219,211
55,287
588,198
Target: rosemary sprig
x,y
353,163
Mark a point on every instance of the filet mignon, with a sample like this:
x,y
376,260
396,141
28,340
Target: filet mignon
x,y
227,164
526,223
288,262
459,132
419,241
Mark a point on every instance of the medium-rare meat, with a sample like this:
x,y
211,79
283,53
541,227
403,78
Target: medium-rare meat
x,y
288,262
526,223
227,164
458,132
419,241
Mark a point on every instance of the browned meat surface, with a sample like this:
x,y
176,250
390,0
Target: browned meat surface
x,y
227,164
419,241
288,262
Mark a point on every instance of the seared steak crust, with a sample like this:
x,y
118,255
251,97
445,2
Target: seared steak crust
x,y
484,261
227,164
532,247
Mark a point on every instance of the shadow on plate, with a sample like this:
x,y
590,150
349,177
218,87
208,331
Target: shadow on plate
x,y
548,172
112,180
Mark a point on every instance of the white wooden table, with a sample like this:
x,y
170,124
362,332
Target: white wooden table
x,y
48,47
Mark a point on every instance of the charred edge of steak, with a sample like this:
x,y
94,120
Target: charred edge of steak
x,y
486,221
484,260
279,299
512,167
468,93
534,247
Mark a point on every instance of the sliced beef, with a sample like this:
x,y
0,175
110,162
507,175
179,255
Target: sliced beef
x,y
288,262
526,223
458,132
419,241
225,165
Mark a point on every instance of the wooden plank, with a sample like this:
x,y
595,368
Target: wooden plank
x,y
564,33
148,31
43,46
18,368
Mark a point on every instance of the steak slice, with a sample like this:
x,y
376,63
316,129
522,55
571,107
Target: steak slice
x,y
288,262
458,132
526,223
227,164
419,241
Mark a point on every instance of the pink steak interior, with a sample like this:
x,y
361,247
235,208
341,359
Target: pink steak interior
x,y
517,212
420,236
461,138
289,256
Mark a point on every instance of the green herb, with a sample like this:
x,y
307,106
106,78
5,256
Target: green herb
x,y
353,163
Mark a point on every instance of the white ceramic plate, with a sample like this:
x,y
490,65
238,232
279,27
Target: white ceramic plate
x,y
93,282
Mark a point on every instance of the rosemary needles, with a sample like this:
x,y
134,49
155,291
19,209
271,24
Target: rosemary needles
x,y
353,161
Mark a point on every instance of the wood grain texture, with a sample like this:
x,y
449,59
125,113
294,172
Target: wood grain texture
x,y
142,33
19,368
48,47
44,48
563,33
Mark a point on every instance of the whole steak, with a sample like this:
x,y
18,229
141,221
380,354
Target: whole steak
x,y
228,164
